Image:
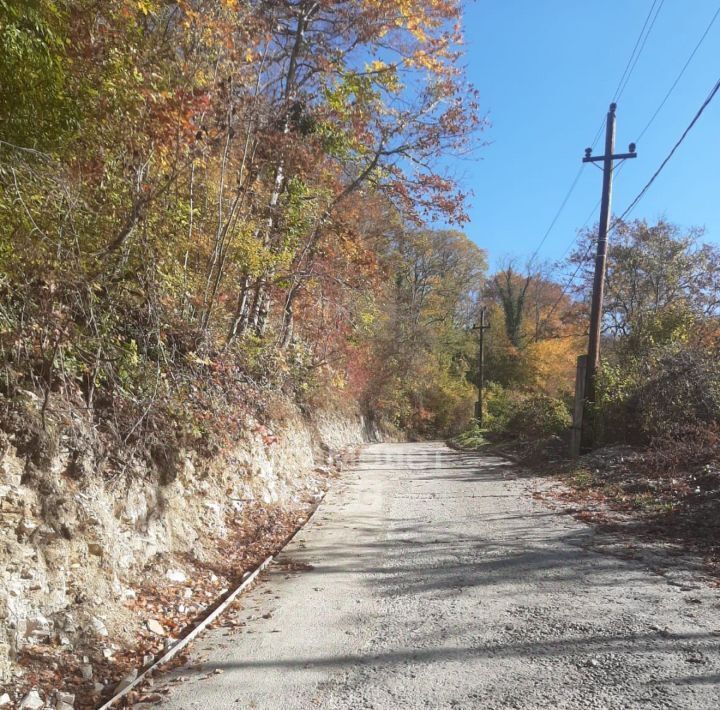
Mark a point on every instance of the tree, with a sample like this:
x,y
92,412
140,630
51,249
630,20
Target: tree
x,y
425,346
661,280
36,109
536,332
510,288
215,184
338,98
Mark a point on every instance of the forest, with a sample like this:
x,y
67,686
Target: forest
x,y
208,203
206,198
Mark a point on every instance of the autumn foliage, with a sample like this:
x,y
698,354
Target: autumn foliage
x,y
205,198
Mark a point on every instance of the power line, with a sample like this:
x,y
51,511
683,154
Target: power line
x,y
642,41
558,213
642,192
637,44
632,60
621,87
622,84
637,199
679,76
639,196
579,231
588,249
695,119
618,170
568,283
625,77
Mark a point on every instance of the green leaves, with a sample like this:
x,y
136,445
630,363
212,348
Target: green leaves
x,y
36,106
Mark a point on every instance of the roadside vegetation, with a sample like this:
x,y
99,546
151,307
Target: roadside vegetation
x,y
228,221
226,234
657,448
205,203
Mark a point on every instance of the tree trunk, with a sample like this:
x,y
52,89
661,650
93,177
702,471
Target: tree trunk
x,y
286,331
239,321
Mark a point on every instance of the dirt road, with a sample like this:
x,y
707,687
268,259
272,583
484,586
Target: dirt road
x,y
432,579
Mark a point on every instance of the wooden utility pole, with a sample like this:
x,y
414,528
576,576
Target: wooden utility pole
x,y
576,431
481,366
593,357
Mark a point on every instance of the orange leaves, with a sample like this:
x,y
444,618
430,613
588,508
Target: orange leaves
x,y
174,115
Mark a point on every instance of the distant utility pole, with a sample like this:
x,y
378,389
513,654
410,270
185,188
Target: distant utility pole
x,y
481,365
593,358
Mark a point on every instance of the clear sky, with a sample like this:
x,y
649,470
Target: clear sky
x,y
547,71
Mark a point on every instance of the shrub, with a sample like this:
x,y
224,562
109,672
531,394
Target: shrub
x,y
617,403
500,405
659,395
472,438
683,389
516,414
539,416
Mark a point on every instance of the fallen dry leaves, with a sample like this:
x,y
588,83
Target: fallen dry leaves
x,y
255,534
618,491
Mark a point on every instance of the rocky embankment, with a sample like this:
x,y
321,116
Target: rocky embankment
x,y
98,573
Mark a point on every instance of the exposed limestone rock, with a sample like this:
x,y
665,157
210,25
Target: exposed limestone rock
x,y
64,701
155,627
74,545
32,701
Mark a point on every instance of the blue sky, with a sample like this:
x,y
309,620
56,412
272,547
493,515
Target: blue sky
x,y
547,72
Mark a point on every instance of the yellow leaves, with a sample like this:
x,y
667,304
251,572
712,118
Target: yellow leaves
x,y
194,358
553,361
426,60
145,6
376,66
414,25
367,318
419,19
339,380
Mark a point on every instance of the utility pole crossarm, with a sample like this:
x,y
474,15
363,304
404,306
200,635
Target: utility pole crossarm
x,y
601,158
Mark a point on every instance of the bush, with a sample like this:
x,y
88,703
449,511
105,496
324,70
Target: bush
x,y
683,389
659,395
617,417
539,416
473,438
516,414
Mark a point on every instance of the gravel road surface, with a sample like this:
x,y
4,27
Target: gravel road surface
x,y
430,578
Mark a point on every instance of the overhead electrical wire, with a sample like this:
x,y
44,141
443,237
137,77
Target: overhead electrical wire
x,y
568,283
713,93
581,261
679,76
647,27
696,118
621,87
633,59
558,213
635,48
625,77
642,41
